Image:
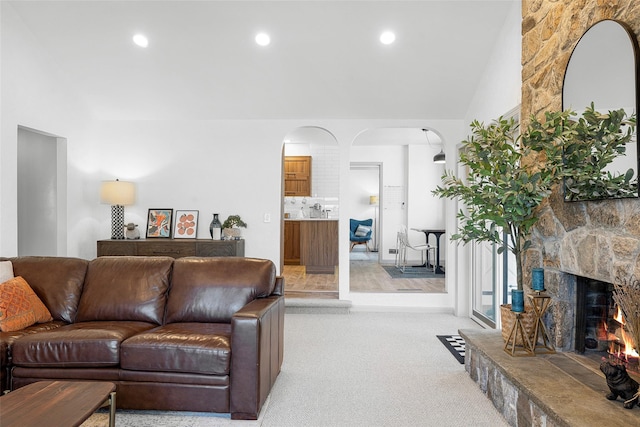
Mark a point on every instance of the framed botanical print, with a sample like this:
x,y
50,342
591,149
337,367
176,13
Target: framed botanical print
x,y
186,226
159,223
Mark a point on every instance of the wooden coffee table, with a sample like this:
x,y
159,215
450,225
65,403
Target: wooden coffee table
x,y
56,403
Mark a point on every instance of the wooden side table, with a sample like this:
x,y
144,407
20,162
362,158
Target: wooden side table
x,y
518,333
540,305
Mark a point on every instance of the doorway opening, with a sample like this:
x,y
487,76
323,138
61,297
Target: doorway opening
x,y
364,206
311,208
403,199
42,184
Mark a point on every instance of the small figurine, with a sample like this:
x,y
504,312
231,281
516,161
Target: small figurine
x,y
620,384
131,231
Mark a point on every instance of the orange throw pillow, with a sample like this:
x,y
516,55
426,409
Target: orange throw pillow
x,y
20,306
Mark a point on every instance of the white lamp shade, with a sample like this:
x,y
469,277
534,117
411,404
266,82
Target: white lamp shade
x,y
116,193
373,200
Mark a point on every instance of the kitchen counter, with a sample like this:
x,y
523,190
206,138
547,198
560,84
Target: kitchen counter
x,y
311,219
312,242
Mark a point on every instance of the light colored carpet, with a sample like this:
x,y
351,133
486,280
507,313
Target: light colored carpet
x,y
358,369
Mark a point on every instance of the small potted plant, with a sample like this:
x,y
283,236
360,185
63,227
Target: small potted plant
x,y
231,227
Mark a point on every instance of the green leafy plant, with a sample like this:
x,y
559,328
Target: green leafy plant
x,y
234,221
599,139
509,175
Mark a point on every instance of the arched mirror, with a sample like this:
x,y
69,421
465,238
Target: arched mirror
x,y
603,70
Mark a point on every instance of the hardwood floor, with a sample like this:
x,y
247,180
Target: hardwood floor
x,y
366,275
299,284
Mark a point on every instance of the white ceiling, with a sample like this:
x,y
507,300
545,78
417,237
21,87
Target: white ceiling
x,y
324,62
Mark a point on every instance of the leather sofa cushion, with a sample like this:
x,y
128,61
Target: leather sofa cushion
x,y
198,348
57,281
125,288
211,290
79,345
8,338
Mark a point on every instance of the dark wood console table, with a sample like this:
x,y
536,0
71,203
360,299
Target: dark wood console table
x,y
176,248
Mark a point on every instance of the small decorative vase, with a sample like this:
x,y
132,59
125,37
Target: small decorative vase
x,y
215,228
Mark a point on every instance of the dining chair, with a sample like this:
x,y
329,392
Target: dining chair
x,y
403,243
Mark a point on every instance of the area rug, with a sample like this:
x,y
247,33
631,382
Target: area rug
x,y
411,273
455,344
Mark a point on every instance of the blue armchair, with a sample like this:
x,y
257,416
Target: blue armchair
x,y
360,232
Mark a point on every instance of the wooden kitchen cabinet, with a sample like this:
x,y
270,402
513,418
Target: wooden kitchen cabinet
x,y
171,248
292,243
297,176
319,246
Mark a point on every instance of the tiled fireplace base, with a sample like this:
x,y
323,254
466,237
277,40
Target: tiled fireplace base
x,y
546,390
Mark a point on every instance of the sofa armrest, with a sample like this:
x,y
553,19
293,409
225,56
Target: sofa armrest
x,y
278,289
257,344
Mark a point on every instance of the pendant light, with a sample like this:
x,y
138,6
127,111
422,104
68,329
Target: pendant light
x,y
438,158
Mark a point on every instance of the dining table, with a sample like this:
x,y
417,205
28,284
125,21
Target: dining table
x,y
437,233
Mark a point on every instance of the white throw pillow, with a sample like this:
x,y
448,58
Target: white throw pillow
x,y
362,230
6,271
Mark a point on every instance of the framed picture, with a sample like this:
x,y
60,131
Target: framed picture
x,y
159,223
186,226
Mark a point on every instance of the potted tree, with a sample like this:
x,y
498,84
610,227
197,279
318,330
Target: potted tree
x,y
231,227
509,175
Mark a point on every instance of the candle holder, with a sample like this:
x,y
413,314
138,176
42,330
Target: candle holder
x,y
540,305
517,331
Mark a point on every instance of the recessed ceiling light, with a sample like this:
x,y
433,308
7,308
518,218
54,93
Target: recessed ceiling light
x,y
141,40
263,39
387,37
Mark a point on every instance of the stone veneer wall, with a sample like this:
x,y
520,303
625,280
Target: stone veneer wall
x,y
599,239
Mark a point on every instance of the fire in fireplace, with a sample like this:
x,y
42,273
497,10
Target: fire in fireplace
x,y
600,330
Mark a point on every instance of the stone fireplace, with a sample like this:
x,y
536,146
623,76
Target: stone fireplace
x,y
578,243
597,239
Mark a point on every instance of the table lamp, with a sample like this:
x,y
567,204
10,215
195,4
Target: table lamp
x,y
118,194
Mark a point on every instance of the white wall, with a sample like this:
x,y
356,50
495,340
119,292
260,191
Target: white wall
x,y
36,96
498,93
225,167
500,88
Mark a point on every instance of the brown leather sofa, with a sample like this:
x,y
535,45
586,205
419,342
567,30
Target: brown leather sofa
x,y
190,334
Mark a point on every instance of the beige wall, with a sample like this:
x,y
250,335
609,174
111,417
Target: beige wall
x,y
600,240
